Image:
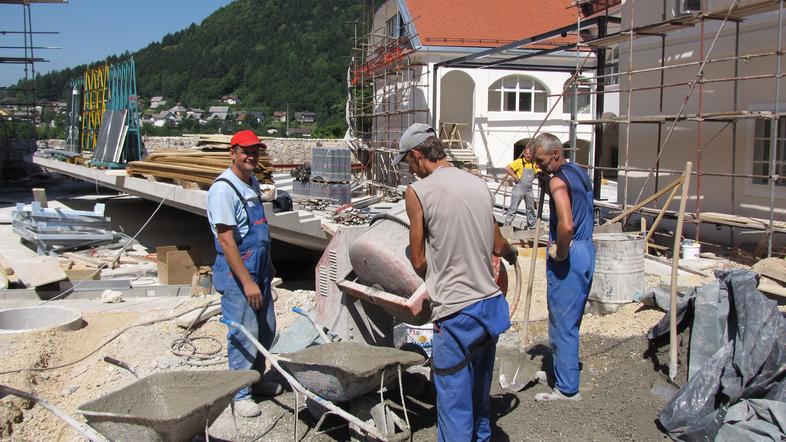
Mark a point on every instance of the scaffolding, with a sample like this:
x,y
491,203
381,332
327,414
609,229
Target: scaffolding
x,y
384,83
18,121
599,28
717,121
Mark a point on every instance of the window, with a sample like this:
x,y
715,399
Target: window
x,y
612,66
688,7
761,151
583,99
395,26
517,93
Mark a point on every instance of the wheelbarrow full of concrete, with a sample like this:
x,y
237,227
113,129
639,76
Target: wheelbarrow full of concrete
x,y
173,406
347,373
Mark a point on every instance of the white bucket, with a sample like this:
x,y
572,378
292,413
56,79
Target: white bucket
x,y
420,335
690,250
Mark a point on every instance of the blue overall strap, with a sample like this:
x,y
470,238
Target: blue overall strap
x,y
240,196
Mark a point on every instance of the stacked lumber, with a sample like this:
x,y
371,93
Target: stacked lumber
x,y
741,221
195,166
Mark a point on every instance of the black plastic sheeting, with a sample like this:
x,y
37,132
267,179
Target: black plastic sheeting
x,y
739,391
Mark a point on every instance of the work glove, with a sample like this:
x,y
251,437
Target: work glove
x,y
553,253
511,257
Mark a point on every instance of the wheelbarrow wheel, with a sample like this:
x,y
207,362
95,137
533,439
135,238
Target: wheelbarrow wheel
x,y
372,411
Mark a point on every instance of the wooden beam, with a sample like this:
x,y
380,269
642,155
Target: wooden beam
x,y
646,201
675,263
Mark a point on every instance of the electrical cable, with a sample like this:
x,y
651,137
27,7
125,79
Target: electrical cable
x,y
185,347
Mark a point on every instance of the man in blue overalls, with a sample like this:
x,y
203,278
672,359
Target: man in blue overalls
x,y
243,269
450,215
570,264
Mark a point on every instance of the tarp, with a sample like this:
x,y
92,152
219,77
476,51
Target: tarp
x,y
739,392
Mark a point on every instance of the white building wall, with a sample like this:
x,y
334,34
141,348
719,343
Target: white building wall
x,y
720,154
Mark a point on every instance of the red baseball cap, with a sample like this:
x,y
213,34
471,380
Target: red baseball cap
x,y
246,138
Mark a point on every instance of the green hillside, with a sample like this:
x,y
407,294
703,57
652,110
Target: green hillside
x,y
267,52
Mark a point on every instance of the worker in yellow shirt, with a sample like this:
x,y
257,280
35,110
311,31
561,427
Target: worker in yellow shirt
x,y
523,171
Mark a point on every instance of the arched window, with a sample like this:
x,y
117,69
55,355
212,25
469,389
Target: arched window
x,y
517,93
583,97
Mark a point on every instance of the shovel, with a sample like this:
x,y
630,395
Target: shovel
x,y
513,377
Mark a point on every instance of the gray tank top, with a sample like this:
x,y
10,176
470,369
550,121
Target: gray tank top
x,y
457,208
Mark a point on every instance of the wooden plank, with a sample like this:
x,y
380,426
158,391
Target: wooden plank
x,y
5,267
39,196
38,271
773,268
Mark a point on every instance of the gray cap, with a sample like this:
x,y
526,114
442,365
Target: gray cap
x,y
412,138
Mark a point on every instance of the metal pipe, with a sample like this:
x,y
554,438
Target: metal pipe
x,y
699,147
774,125
746,57
600,57
630,104
734,132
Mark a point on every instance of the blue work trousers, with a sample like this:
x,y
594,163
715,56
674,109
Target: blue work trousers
x,y
241,352
463,400
569,283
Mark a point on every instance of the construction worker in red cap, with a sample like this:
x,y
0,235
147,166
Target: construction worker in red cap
x,y
243,269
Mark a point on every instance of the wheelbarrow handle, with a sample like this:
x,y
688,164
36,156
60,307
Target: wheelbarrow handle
x,y
369,429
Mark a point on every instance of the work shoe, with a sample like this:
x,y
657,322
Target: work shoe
x,y
246,408
557,395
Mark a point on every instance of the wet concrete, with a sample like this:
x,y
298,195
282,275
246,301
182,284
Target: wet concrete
x,y
169,406
354,358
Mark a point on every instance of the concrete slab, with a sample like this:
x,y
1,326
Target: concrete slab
x,y
307,233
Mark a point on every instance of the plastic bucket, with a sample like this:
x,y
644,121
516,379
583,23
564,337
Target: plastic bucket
x,y
420,335
690,250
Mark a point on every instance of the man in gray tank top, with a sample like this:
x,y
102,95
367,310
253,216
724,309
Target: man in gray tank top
x,y
451,239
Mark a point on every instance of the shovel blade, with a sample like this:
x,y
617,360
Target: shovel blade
x,y
516,371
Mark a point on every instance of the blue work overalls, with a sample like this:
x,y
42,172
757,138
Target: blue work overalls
x,y
463,349
255,251
569,280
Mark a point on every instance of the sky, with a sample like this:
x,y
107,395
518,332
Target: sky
x,y
90,30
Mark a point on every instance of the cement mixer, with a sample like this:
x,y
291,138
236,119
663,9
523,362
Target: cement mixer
x,y
365,284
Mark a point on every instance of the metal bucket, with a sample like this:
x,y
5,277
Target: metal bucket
x,y
619,271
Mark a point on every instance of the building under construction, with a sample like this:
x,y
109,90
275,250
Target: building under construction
x,y
636,89
20,116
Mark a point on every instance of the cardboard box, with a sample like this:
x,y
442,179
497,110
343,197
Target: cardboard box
x,y
176,265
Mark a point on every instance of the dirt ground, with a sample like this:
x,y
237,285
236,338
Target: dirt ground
x,y
618,369
616,377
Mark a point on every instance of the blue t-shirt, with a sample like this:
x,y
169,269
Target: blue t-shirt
x,y
223,207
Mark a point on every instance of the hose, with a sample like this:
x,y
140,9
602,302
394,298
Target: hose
x,y
517,292
389,217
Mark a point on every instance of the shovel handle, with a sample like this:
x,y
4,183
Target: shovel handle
x,y
533,261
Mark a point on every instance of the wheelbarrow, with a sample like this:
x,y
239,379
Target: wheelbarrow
x,y
326,374
172,406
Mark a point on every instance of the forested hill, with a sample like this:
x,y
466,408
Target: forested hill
x,y
267,52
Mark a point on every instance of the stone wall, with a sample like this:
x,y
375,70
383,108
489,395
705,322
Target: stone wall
x,y
280,150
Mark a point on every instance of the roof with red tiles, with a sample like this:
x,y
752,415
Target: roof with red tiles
x,y
487,23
